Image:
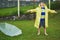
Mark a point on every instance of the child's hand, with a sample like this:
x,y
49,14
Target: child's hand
x,y
55,12
28,11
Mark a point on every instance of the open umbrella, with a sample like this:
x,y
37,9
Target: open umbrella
x,y
9,29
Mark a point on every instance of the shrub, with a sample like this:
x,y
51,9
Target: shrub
x,y
8,11
55,5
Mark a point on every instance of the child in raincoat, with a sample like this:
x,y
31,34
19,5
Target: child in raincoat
x,y
41,17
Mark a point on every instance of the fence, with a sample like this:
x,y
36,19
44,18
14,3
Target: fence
x,y
6,3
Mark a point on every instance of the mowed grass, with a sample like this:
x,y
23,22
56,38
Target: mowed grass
x,y
30,32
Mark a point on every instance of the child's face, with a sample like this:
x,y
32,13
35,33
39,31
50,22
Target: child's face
x,y
41,4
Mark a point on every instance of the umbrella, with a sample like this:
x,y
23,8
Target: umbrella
x,y
9,29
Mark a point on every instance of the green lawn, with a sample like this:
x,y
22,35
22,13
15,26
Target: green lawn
x,y
30,32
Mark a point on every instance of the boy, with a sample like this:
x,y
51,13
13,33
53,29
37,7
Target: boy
x,y
41,17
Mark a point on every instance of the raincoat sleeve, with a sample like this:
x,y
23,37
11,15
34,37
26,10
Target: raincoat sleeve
x,y
32,10
52,11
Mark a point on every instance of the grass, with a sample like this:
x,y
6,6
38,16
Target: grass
x,y
30,32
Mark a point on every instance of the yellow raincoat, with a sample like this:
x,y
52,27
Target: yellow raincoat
x,y
38,15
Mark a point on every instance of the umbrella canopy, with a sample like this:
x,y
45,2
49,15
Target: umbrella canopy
x,y
9,29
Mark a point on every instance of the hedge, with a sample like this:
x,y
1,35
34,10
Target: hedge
x,y
55,5
8,11
13,11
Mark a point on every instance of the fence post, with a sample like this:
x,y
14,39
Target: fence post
x,y
49,4
18,8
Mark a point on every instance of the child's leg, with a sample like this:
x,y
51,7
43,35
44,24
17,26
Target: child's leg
x,y
45,31
38,31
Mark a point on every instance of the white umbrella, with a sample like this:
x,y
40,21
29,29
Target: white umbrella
x,y
9,29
